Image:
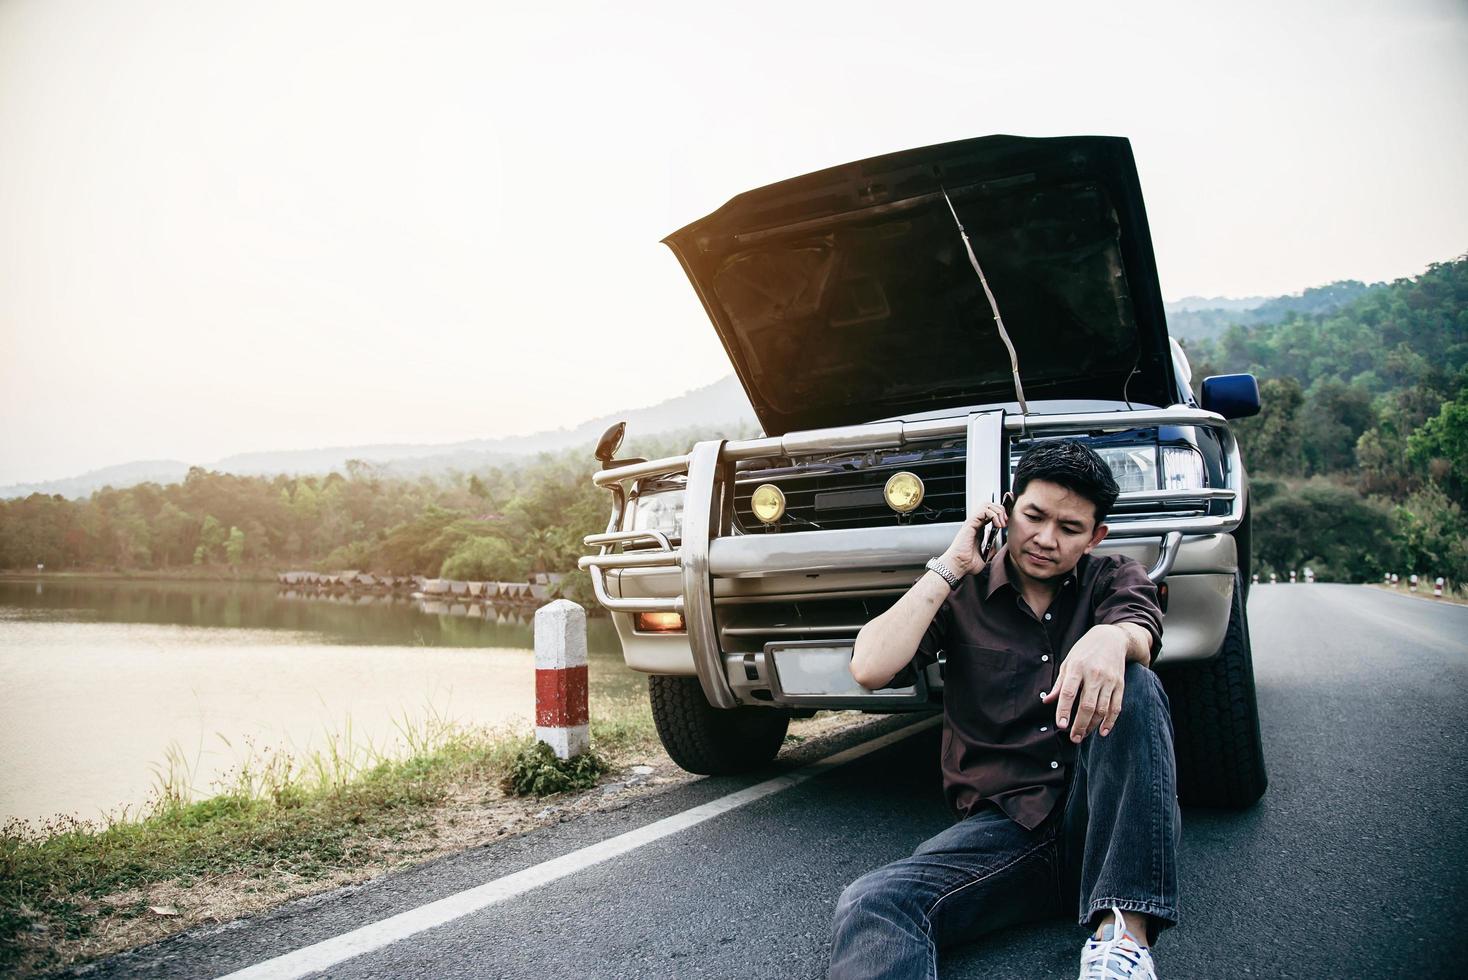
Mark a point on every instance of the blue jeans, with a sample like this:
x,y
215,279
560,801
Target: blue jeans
x,y
1114,842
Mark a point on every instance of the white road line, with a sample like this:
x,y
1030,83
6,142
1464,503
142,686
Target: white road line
x,y
329,952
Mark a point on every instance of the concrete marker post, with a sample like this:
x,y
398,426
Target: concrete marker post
x,y
1437,587
1273,579
562,718
1256,578
1413,581
1292,576
1396,582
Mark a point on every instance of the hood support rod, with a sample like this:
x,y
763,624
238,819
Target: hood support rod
x,y
1019,391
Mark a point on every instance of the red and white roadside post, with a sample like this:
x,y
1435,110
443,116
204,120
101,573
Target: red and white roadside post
x,y
1413,581
1292,576
561,714
1396,582
1437,587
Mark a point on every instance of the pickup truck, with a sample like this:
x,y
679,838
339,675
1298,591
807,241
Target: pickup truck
x,y
905,327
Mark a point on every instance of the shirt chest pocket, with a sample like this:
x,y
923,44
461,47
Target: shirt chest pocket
x,y
989,683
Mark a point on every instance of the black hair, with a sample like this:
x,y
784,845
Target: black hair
x,y
1072,465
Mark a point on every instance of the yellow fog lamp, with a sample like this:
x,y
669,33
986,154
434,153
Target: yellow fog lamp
x,y
904,491
768,503
659,622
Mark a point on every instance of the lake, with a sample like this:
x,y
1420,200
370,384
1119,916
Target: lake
x,y
105,681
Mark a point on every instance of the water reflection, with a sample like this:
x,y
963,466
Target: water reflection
x,y
367,620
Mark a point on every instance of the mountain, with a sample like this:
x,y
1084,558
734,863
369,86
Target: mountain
x,y
1190,304
121,475
721,405
1192,318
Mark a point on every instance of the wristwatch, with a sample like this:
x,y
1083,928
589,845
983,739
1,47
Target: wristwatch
x,y
944,572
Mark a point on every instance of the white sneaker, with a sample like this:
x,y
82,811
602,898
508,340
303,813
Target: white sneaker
x,y
1117,957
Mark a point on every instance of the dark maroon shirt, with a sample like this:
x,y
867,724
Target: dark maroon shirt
x,y
1000,742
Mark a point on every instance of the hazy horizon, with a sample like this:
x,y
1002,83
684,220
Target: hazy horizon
x,y
270,226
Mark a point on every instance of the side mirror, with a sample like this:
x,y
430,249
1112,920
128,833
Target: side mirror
x,y
1234,396
610,442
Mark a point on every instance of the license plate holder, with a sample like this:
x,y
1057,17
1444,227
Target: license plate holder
x,y
819,672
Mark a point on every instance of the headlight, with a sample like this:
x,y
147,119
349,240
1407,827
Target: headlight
x,y
1135,467
1182,468
658,512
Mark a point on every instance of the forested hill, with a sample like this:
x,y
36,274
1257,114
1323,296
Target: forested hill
x,y
1193,319
498,522
1360,455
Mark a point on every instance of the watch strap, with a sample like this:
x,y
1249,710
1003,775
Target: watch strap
x,y
944,572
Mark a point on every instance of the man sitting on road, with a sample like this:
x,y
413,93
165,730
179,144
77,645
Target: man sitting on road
x,y
1042,640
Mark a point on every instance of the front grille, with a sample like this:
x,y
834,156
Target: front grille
x,y
745,627
847,492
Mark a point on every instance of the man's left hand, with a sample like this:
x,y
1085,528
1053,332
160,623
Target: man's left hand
x,y
1091,682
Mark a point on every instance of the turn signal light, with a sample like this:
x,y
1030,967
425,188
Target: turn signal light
x,y
659,622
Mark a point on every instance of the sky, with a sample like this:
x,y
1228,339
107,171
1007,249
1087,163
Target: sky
x,y
263,225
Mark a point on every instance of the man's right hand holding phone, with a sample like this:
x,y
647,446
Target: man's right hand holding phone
x,y
963,554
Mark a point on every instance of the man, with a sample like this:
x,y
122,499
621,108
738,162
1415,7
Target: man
x,y
1057,741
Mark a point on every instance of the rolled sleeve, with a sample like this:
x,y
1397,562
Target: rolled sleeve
x,y
1131,597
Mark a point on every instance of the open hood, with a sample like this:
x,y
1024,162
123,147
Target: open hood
x,y
846,295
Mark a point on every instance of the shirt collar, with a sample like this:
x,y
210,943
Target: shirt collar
x,y
998,567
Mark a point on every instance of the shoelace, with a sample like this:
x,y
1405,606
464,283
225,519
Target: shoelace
x,y
1116,958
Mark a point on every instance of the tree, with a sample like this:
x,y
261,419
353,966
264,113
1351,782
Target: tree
x,y
1272,437
1433,535
212,538
1333,418
485,559
1333,529
1441,448
234,548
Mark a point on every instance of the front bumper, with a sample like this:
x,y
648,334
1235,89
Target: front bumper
x,y
753,601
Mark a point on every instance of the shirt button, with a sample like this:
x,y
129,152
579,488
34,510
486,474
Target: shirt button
x,y
1042,695
1047,616
1044,658
1054,765
1044,728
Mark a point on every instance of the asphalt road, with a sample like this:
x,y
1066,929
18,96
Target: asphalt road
x,y
1355,863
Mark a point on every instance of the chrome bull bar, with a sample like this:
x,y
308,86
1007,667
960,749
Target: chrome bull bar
x,y
708,548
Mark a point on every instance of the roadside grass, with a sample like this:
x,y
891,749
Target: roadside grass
x,y
1455,594
275,816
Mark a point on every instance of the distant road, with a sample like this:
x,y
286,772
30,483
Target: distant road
x,y
1355,864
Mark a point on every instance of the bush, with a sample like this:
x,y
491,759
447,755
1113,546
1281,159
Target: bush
x,y
537,770
484,559
1433,535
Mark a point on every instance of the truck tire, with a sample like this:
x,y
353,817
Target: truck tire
x,y
1215,717
712,741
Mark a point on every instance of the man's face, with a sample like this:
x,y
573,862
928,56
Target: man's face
x,y
1049,529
